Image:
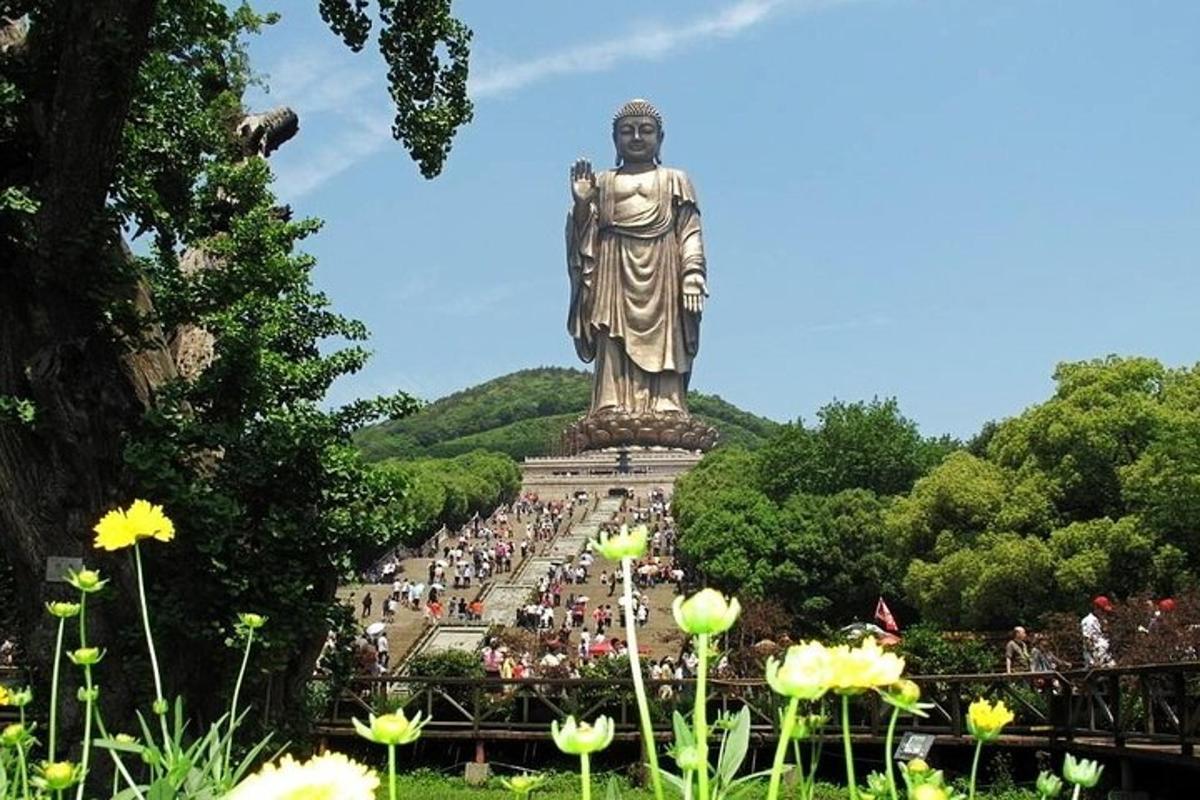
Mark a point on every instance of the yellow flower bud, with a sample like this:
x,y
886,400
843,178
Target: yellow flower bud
x,y
12,735
1085,772
706,612
581,738
63,610
86,580
626,544
929,791
391,729
86,656
251,621
58,775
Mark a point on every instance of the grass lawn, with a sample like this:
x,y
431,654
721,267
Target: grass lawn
x,y
565,786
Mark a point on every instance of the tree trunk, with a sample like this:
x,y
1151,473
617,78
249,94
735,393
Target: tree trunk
x,y
56,349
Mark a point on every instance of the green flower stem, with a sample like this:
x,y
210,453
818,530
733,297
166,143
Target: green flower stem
x,y
22,760
585,776
700,716
785,736
88,705
849,751
639,688
237,689
975,768
158,692
687,784
887,752
1074,794
800,779
814,760
117,762
392,771
54,689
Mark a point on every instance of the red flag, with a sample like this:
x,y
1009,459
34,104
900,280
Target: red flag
x,y
884,615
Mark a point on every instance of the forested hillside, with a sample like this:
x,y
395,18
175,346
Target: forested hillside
x,y
522,414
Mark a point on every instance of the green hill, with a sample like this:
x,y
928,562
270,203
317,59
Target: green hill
x,y
523,414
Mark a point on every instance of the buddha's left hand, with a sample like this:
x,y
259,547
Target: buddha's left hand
x,y
694,292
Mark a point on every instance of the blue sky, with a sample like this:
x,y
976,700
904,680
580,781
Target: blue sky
x,y
936,200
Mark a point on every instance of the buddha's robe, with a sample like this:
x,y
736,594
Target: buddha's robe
x,y
627,267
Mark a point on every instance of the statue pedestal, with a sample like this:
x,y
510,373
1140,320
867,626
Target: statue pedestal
x,y
600,472
621,429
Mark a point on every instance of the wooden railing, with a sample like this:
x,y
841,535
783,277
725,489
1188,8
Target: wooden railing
x,y
1156,707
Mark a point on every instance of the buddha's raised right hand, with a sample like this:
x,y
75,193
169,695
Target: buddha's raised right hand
x,y
583,182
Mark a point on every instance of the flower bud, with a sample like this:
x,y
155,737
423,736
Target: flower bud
x,y
523,785
1049,785
12,735
86,656
59,775
581,738
86,580
87,695
929,791
688,758
63,610
252,621
1084,772
918,765
626,544
160,707
706,612
391,729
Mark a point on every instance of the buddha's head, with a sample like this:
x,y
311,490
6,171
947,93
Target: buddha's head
x,y
637,133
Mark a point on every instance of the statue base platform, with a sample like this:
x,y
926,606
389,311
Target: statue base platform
x,y
621,429
602,473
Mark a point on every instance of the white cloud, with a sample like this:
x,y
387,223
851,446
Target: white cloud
x,y
321,84
650,43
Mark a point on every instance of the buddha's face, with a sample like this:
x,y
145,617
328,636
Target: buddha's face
x,y
638,139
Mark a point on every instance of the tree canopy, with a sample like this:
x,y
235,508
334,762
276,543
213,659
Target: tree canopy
x,y
1096,490
126,118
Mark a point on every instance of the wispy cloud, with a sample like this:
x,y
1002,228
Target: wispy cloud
x,y
315,87
652,42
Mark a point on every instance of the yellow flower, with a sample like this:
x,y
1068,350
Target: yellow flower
x,y
57,775
331,776
918,765
582,738
985,720
805,672
706,612
6,696
864,667
626,544
142,520
391,729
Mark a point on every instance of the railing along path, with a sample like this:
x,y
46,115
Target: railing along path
x,y
1152,710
